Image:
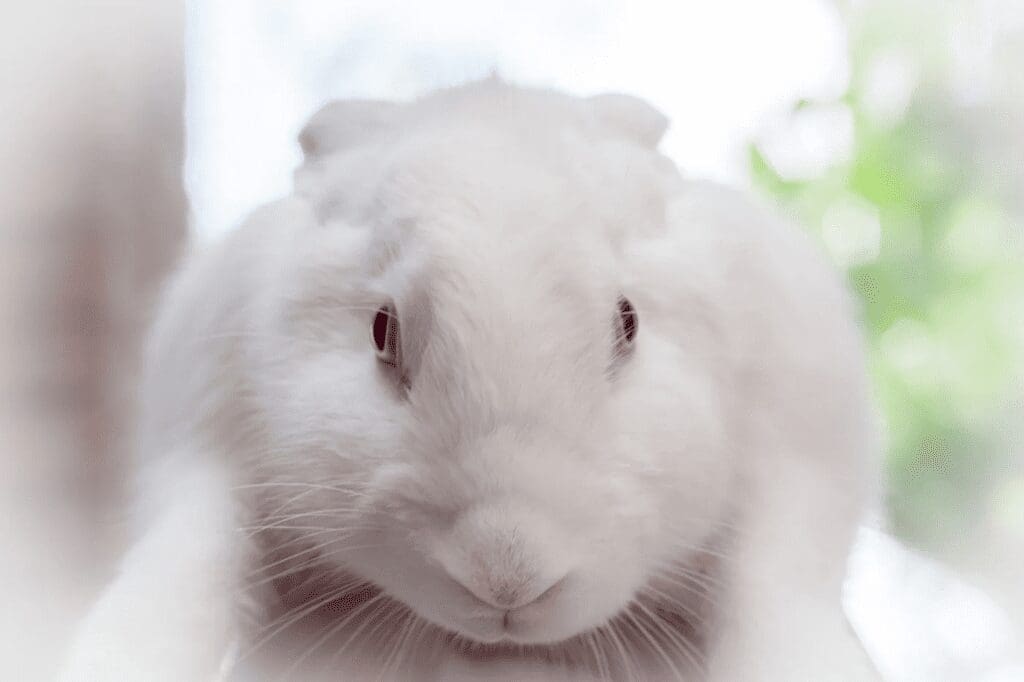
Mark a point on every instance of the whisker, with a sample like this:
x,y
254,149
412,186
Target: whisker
x,y
600,662
632,619
272,521
676,574
291,617
330,632
670,601
616,638
381,608
294,555
685,647
393,656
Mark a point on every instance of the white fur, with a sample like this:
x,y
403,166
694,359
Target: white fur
x,y
503,224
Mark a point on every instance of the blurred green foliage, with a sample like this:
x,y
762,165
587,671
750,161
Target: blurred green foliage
x,y
940,278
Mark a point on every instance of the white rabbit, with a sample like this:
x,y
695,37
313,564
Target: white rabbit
x,y
495,394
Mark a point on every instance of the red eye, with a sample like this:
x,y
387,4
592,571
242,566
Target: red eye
x,y
385,335
627,321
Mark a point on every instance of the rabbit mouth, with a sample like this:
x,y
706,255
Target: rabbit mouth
x,y
347,614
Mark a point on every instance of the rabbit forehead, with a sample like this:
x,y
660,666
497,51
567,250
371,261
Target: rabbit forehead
x,y
476,208
471,308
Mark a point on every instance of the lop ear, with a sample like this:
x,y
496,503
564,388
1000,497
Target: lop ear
x,y
343,123
629,116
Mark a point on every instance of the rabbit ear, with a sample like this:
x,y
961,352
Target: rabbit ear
x,y
343,123
629,116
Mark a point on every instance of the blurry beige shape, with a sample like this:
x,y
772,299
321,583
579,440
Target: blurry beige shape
x,y
93,213
921,621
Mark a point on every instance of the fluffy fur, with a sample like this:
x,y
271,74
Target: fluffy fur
x,y
519,501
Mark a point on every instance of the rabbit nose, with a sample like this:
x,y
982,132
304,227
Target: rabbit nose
x,y
504,555
511,593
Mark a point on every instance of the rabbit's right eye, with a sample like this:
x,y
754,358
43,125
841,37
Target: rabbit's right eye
x,y
385,335
626,325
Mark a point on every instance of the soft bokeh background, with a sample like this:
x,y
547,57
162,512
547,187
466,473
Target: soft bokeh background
x,y
893,130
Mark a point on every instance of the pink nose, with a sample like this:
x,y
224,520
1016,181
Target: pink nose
x,y
508,594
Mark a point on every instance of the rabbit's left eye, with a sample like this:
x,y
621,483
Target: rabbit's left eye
x,y
385,335
626,327
627,320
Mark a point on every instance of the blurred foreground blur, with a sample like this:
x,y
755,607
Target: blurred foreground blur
x,y
92,215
